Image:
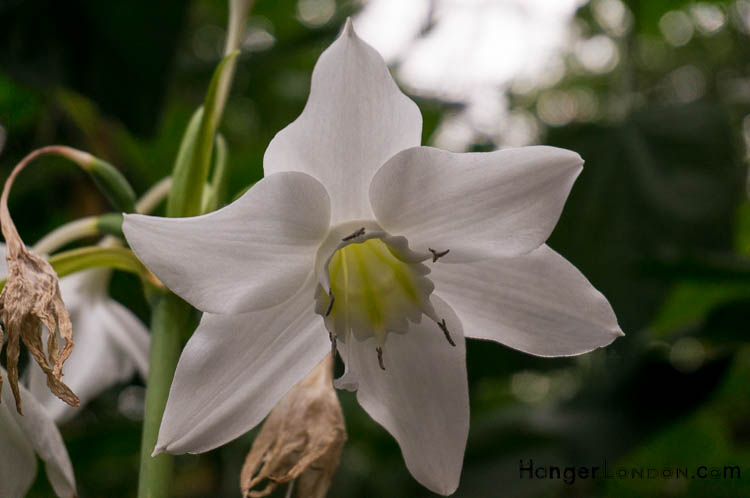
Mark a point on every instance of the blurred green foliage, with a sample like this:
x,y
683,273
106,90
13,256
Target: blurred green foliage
x,y
659,221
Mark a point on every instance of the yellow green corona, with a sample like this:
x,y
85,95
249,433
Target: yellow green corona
x,y
374,291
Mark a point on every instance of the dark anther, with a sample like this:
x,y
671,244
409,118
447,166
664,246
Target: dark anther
x,y
330,305
444,328
333,345
437,255
380,357
356,234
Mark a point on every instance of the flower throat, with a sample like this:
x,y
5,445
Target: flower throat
x,y
374,292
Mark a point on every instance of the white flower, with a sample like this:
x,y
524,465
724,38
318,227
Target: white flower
x,y
22,438
111,343
351,206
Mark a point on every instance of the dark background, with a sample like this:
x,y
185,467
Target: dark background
x,y
659,221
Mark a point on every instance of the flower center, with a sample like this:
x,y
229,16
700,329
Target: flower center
x,y
373,291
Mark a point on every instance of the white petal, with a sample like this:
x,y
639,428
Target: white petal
x,y
421,397
538,303
478,205
17,458
253,254
128,333
235,368
78,289
41,431
355,119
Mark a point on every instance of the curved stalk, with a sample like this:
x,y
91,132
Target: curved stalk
x,y
119,258
67,233
91,226
153,196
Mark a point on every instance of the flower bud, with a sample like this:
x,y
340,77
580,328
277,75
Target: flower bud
x,y
110,181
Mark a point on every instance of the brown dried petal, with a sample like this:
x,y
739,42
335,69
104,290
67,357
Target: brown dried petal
x,y
301,439
31,298
2,341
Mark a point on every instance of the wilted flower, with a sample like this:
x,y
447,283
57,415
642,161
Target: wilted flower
x,y
31,298
356,222
301,439
111,343
22,438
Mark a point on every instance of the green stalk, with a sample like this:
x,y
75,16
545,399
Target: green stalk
x,y
170,315
118,258
216,192
194,159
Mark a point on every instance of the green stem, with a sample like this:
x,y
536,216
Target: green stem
x,y
157,193
65,234
119,258
91,226
169,317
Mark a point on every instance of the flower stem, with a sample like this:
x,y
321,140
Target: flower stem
x,y
238,11
91,226
67,233
153,196
110,181
107,256
170,316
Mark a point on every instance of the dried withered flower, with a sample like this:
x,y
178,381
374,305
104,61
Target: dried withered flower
x,y
31,298
301,439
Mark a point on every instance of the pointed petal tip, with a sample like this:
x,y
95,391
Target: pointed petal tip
x,y
159,449
569,158
576,161
127,217
616,332
442,488
448,490
349,27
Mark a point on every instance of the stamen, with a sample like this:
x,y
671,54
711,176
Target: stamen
x,y
444,328
330,304
356,234
334,350
437,254
380,357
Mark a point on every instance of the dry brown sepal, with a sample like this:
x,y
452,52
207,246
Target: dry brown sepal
x,y
31,298
301,439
